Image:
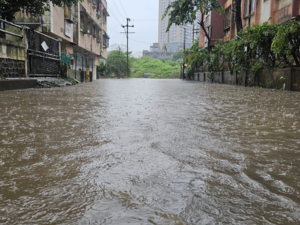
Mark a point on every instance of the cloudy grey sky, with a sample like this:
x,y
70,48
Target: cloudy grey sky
x,y
144,17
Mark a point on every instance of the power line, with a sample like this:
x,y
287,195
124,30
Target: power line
x,y
113,27
123,38
141,41
145,21
114,16
124,35
118,9
123,8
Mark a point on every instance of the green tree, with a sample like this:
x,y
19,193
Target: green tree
x,y
184,11
259,41
33,7
177,55
149,65
102,68
117,63
287,41
164,48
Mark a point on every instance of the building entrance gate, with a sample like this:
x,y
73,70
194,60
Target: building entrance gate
x,y
43,54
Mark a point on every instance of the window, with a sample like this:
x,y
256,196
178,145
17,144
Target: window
x,y
93,30
253,4
84,23
81,23
89,27
98,10
227,18
249,7
70,13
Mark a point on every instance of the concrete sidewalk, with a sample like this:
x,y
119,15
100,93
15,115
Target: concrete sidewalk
x,y
36,82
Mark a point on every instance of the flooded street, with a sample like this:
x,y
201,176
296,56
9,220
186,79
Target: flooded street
x,y
139,151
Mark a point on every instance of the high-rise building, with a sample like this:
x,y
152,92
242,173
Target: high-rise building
x,y
174,38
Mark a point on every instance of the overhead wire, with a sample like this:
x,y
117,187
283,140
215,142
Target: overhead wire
x,y
118,9
118,20
123,8
141,41
124,35
113,27
135,20
114,16
146,21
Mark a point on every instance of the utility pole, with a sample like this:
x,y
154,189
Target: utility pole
x,y
183,75
195,31
127,26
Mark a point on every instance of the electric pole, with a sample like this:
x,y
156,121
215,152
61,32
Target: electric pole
x,y
195,31
127,26
183,75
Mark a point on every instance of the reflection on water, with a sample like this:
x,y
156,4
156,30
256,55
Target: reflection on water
x,y
149,152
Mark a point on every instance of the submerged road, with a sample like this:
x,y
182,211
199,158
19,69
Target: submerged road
x,y
141,151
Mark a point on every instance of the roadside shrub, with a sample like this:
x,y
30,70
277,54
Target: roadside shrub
x,y
258,47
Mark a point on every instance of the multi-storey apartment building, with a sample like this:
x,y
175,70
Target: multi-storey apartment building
x,y
82,29
174,38
222,26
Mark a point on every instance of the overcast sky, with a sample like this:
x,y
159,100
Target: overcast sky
x,y
144,17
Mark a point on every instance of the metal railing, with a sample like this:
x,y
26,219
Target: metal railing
x,y
11,33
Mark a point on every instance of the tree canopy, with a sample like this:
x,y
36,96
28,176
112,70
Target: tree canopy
x,y
116,63
259,47
184,11
287,40
177,55
162,68
33,7
181,12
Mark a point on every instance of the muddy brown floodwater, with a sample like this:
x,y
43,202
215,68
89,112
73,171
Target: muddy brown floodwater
x,y
139,151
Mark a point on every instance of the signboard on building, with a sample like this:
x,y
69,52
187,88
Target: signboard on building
x,y
45,46
68,29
